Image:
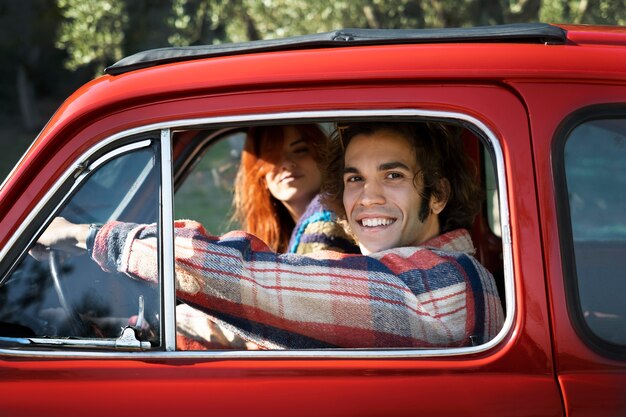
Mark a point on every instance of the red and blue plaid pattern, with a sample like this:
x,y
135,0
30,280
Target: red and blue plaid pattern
x,y
436,295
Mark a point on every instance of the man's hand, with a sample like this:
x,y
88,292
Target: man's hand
x,y
61,235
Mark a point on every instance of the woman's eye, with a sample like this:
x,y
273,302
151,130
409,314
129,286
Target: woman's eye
x,y
301,151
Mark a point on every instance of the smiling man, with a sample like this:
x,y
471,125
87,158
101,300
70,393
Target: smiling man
x,y
408,198
400,184
382,192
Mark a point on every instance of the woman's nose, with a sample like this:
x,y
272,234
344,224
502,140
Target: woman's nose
x,y
287,163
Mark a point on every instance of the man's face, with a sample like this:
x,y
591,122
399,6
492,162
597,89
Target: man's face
x,y
381,200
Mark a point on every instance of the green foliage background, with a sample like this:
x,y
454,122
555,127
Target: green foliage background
x,y
51,47
98,32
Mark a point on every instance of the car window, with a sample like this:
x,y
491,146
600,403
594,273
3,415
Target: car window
x,y
206,167
70,297
595,171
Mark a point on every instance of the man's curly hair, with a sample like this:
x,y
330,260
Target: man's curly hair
x,y
439,155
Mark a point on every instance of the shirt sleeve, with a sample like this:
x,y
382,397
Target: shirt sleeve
x,y
410,298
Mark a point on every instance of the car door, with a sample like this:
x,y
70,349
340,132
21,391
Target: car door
x,y
579,157
511,375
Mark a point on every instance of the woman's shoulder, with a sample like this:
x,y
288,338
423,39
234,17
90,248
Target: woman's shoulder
x,y
319,229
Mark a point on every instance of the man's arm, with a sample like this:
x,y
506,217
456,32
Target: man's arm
x,y
338,300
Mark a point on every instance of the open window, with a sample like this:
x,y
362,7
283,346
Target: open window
x,y
205,168
207,160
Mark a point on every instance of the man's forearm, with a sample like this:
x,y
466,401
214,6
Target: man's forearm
x,y
348,301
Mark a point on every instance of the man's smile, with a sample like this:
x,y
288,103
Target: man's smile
x,y
376,221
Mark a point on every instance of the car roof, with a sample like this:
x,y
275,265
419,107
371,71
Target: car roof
x,y
517,33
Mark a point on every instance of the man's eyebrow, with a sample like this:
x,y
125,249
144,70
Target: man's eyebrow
x,y
382,167
393,165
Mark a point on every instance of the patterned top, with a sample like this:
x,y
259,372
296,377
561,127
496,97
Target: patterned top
x,y
435,295
318,229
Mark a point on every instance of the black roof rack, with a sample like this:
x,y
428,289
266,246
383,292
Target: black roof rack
x,y
518,33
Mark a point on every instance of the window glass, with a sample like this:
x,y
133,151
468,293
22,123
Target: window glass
x,y
241,295
70,296
596,182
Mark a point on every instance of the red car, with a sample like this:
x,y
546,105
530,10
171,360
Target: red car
x,y
540,108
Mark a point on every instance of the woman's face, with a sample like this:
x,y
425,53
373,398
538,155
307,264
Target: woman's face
x,y
295,179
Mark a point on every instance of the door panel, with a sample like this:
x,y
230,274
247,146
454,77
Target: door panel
x,y
514,377
590,363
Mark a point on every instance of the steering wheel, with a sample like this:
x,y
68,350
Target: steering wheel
x,y
76,323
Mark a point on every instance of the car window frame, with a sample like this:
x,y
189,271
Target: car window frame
x,y
166,231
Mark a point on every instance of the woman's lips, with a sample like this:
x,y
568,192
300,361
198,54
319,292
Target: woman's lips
x,y
290,178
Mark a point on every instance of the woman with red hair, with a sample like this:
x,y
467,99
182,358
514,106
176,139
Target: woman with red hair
x,y
276,192
276,199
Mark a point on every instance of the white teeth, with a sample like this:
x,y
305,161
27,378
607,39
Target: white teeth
x,y
376,222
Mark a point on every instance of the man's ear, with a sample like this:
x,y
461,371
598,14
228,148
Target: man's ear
x,y
438,202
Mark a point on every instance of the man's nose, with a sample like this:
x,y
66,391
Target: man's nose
x,y
372,194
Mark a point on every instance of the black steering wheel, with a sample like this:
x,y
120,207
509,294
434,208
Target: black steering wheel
x,y
76,323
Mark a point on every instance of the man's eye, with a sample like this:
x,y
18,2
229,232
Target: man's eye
x,y
354,178
394,175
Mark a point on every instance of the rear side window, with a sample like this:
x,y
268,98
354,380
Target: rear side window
x,y
595,183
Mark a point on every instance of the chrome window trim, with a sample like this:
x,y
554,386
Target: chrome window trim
x,y
166,242
326,353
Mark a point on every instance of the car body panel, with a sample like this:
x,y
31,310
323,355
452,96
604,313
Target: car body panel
x,y
333,388
588,378
528,341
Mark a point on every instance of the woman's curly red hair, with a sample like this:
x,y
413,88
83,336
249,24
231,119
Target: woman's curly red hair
x,y
257,211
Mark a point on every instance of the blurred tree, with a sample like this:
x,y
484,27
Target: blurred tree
x,y
146,25
280,18
210,21
29,58
92,32
199,21
593,12
98,32
88,35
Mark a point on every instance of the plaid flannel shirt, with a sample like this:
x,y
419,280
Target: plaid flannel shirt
x,y
435,295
